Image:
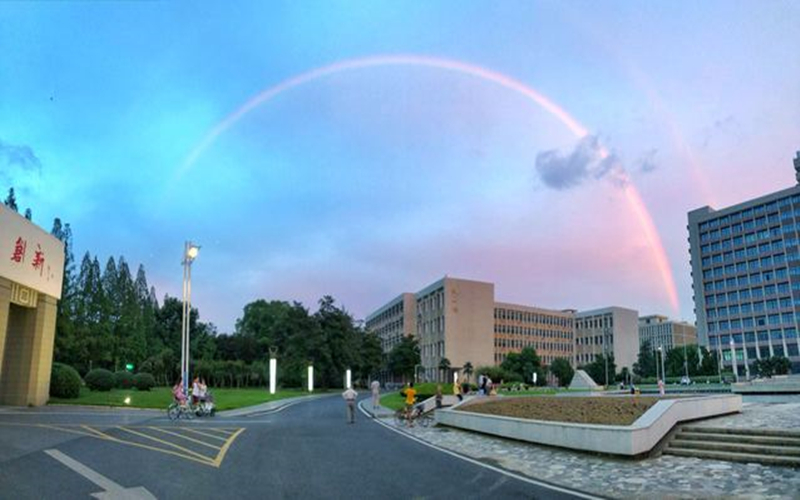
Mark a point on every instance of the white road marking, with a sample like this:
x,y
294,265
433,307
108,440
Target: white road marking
x,y
111,489
526,479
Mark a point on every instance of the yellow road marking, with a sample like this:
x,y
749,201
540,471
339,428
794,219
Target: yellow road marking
x,y
193,431
224,450
159,429
166,443
187,454
224,432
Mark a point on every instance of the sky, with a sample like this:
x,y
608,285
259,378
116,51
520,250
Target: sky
x,y
364,149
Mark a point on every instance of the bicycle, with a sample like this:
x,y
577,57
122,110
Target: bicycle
x,y
178,410
418,413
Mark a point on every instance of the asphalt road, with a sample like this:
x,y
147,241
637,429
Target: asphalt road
x,y
306,450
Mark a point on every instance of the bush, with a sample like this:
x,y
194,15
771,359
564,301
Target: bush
x,y
144,381
100,379
64,382
123,379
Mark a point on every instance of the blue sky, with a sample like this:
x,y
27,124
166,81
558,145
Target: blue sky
x,y
366,183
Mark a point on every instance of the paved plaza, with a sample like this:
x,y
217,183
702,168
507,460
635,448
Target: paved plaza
x,y
662,477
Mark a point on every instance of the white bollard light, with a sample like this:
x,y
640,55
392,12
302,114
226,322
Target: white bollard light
x,y
347,379
273,374
310,378
455,378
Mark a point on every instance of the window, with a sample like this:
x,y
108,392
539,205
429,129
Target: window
x,y
747,308
748,322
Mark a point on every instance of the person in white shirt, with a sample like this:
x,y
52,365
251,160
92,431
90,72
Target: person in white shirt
x,y
350,396
376,394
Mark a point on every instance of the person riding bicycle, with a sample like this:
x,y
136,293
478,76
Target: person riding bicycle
x,y
178,394
411,397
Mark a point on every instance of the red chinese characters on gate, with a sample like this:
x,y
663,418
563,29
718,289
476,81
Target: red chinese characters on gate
x,y
38,259
18,255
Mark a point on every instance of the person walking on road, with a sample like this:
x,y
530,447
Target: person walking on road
x,y
350,396
375,386
411,398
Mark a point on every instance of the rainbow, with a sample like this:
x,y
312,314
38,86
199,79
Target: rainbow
x,y
631,193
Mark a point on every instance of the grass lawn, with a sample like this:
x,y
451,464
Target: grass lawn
x,y
393,401
161,397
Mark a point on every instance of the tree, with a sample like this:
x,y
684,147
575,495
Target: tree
x,y
597,369
371,355
444,369
11,200
562,369
404,357
645,365
521,366
709,362
468,369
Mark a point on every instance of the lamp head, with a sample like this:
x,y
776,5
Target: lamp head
x,y
192,251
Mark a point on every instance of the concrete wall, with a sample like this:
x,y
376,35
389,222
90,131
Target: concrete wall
x,y
469,322
27,337
632,440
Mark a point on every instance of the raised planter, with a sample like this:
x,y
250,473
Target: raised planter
x,y
629,440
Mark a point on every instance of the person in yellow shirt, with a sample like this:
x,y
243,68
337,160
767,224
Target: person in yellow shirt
x,y
411,398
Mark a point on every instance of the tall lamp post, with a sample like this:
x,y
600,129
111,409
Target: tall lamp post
x,y
190,251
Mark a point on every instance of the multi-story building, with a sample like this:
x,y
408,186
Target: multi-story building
x,y
746,277
548,331
395,320
660,331
611,330
459,320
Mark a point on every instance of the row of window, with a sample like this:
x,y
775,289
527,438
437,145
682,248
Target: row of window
x,y
738,324
531,332
389,313
766,290
594,340
744,253
747,307
746,295
727,244
594,322
520,344
532,317
750,337
749,213
737,228
763,351
431,301
744,266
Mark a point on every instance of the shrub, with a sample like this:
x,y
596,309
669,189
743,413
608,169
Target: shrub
x,y
123,379
144,381
64,382
100,379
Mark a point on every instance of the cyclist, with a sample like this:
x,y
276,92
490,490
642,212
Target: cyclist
x,y
177,393
411,397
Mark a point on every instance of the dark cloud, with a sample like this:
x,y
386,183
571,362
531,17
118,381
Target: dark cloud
x,y
15,159
587,160
720,128
647,163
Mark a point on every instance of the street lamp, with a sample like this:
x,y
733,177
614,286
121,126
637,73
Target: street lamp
x,y
190,251
660,361
733,360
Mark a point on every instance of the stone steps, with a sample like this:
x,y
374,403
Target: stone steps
x,y
764,446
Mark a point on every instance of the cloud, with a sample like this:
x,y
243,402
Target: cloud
x,y
647,164
587,160
14,159
721,127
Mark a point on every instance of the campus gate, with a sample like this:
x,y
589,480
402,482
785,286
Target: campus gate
x,y
31,271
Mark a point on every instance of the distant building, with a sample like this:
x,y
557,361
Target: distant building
x,y
660,331
746,277
459,320
611,330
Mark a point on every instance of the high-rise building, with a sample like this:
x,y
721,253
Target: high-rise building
x,y
746,277
395,320
610,330
660,331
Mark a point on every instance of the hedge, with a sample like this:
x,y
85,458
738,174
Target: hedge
x,y
144,381
100,379
123,379
64,382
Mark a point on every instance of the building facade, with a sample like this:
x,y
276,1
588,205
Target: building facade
x,y
746,277
660,331
395,320
611,330
550,332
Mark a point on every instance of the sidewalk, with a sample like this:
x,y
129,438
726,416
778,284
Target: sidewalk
x,y
270,406
663,477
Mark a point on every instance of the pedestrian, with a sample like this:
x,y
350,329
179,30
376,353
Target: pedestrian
x,y
439,396
457,391
661,387
196,390
411,398
350,396
482,385
376,394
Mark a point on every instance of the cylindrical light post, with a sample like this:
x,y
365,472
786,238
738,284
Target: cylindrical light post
x,y
310,378
190,251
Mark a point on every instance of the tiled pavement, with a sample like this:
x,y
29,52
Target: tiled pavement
x,y
663,477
